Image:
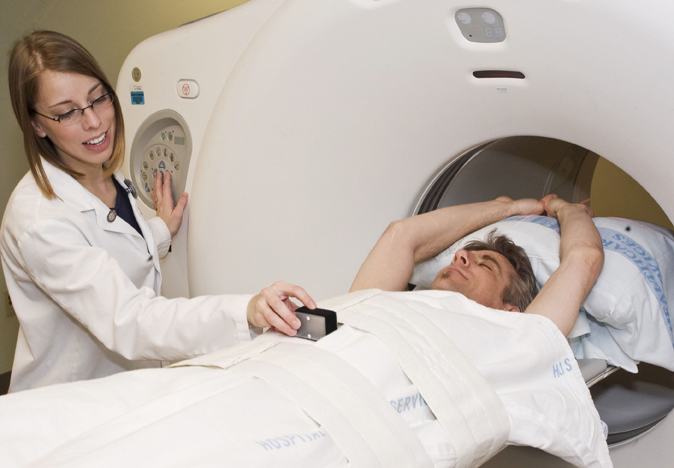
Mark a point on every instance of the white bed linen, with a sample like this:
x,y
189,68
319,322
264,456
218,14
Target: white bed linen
x,y
202,415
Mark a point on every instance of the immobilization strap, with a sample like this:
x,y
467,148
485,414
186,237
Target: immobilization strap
x,y
227,357
462,400
343,402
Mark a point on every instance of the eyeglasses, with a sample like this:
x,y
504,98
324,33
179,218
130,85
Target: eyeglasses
x,y
75,115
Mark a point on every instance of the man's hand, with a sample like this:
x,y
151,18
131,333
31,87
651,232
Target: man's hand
x,y
163,202
554,205
273,307
524,206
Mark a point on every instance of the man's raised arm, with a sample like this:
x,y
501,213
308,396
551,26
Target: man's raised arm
x,y
412,240
581,260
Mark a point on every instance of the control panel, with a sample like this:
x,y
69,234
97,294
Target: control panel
x,y
481,25
163,144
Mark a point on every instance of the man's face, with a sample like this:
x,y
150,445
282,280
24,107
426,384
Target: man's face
x,y
480,275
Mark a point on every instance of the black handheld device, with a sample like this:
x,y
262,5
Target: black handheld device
x,y
316,323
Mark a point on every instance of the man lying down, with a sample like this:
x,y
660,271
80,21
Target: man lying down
x,y
434,378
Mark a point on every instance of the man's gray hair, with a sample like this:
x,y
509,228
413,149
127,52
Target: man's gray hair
x,y
522,288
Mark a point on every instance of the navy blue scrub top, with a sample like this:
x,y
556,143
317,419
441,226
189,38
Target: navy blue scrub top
x,y
123,207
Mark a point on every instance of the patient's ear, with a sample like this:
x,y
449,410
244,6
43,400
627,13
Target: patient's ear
x,y
511,308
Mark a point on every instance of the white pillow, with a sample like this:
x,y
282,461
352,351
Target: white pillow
x,y
629,303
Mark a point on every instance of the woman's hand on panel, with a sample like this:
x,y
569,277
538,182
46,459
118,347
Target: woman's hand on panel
x,y
273,307
163,202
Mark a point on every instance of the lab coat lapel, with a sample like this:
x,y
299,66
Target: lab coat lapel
x,y
144,227
75,195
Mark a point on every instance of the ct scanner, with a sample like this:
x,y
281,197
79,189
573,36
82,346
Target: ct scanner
x,y
302,128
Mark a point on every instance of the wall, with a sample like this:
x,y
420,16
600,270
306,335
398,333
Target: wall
x,y
614,193
110,29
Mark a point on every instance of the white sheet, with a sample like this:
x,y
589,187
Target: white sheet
x,y
203,416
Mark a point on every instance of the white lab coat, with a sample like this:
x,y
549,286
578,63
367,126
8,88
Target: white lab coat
x,y
86,291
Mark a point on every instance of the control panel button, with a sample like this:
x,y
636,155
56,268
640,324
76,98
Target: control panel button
x,y
188,89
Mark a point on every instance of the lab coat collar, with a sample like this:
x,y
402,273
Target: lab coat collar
x,y
71,192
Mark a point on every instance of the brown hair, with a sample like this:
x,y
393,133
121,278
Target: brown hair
x,y
29,58
521,288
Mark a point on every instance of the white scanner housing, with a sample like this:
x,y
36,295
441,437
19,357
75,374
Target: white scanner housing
x,y
316,124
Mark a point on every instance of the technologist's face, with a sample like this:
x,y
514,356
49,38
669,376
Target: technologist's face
x,y
480,275
86,144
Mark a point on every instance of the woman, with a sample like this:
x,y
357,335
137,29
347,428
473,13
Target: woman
x,y
81,264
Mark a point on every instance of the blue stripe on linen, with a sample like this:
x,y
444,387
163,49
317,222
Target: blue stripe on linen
x,y
647,264
627,247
